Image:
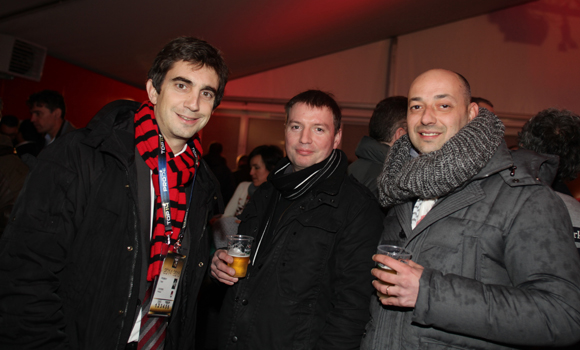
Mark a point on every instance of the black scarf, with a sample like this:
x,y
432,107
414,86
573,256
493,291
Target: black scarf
x,y
293,185
436,174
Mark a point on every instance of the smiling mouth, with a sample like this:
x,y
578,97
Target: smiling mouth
x,y
186,118
429,133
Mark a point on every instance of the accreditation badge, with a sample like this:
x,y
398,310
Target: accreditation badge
x,y
166,285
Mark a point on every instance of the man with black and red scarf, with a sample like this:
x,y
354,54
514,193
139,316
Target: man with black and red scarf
x,y
106,207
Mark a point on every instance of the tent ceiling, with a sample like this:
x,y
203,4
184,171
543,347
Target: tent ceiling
x,y
119,38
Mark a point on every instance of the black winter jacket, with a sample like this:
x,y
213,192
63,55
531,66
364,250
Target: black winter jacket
x,y
73,259
369,165
310,287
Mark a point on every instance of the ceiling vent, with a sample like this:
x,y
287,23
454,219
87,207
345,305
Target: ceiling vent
x,y
21,58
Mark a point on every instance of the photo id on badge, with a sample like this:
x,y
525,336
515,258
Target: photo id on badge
x,y
166,285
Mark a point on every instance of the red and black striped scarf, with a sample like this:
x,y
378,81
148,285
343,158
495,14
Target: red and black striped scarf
x,y
180,171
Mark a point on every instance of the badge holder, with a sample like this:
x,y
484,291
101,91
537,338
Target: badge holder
x,y
166,284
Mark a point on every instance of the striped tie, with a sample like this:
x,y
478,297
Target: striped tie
x,y
152,333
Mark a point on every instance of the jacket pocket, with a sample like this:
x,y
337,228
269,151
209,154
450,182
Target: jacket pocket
x,y
305,252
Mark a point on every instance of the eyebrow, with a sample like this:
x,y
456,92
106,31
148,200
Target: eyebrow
x,y
327,126
210,88
324,125
436,97
182,79
187,81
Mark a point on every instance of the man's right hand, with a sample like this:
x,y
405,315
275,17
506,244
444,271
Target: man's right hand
x,y
220,269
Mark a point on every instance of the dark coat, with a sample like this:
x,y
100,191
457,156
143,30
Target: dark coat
x,y
500,265
74,257
310,285
369,165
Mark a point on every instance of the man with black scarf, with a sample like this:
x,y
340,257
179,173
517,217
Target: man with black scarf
x,y
494,265
315,231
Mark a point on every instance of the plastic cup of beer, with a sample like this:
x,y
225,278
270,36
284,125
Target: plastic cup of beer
x,y
239,248
395,252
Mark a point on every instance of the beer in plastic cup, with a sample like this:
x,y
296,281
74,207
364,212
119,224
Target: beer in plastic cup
x,y
239,248
395,252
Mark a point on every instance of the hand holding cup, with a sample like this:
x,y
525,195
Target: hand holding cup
x,y
401,288
395,252
230,264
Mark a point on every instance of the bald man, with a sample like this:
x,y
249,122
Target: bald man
x,y
494,265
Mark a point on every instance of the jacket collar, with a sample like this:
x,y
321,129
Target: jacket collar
x,y
520,167
371,149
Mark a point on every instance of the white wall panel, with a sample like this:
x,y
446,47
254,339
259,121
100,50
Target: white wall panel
x,y
355,75
524,59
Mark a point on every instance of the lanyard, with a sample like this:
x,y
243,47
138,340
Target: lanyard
x,y
164,191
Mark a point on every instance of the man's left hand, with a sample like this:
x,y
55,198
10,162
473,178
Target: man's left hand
x,y
404,288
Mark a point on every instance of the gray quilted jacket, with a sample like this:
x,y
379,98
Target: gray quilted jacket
x,y
501,268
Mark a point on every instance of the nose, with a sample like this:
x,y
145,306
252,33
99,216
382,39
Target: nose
x,y
252,172
305,136
192,102
428,117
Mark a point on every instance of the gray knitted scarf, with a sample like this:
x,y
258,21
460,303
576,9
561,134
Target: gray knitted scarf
x,y
436,174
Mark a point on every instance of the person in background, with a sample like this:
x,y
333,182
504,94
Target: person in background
x,y
263,159
494,265
557,132
12,175
28,140
242,172
28,143
482,102
9,127
388,123
219,167
47,111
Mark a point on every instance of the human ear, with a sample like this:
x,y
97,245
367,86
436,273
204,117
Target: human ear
x,y
151,92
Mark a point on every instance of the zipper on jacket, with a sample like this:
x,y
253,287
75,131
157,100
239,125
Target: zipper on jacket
x,y
265,229
135,254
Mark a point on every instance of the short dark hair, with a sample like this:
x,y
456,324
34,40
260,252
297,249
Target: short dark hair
x,y
317,99
28,131
479,100
194,51
557,132
9,120
215,148
48,98
466,89
271,155
389,115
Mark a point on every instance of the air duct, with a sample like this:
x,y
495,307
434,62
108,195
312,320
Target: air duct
x,y
21,58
